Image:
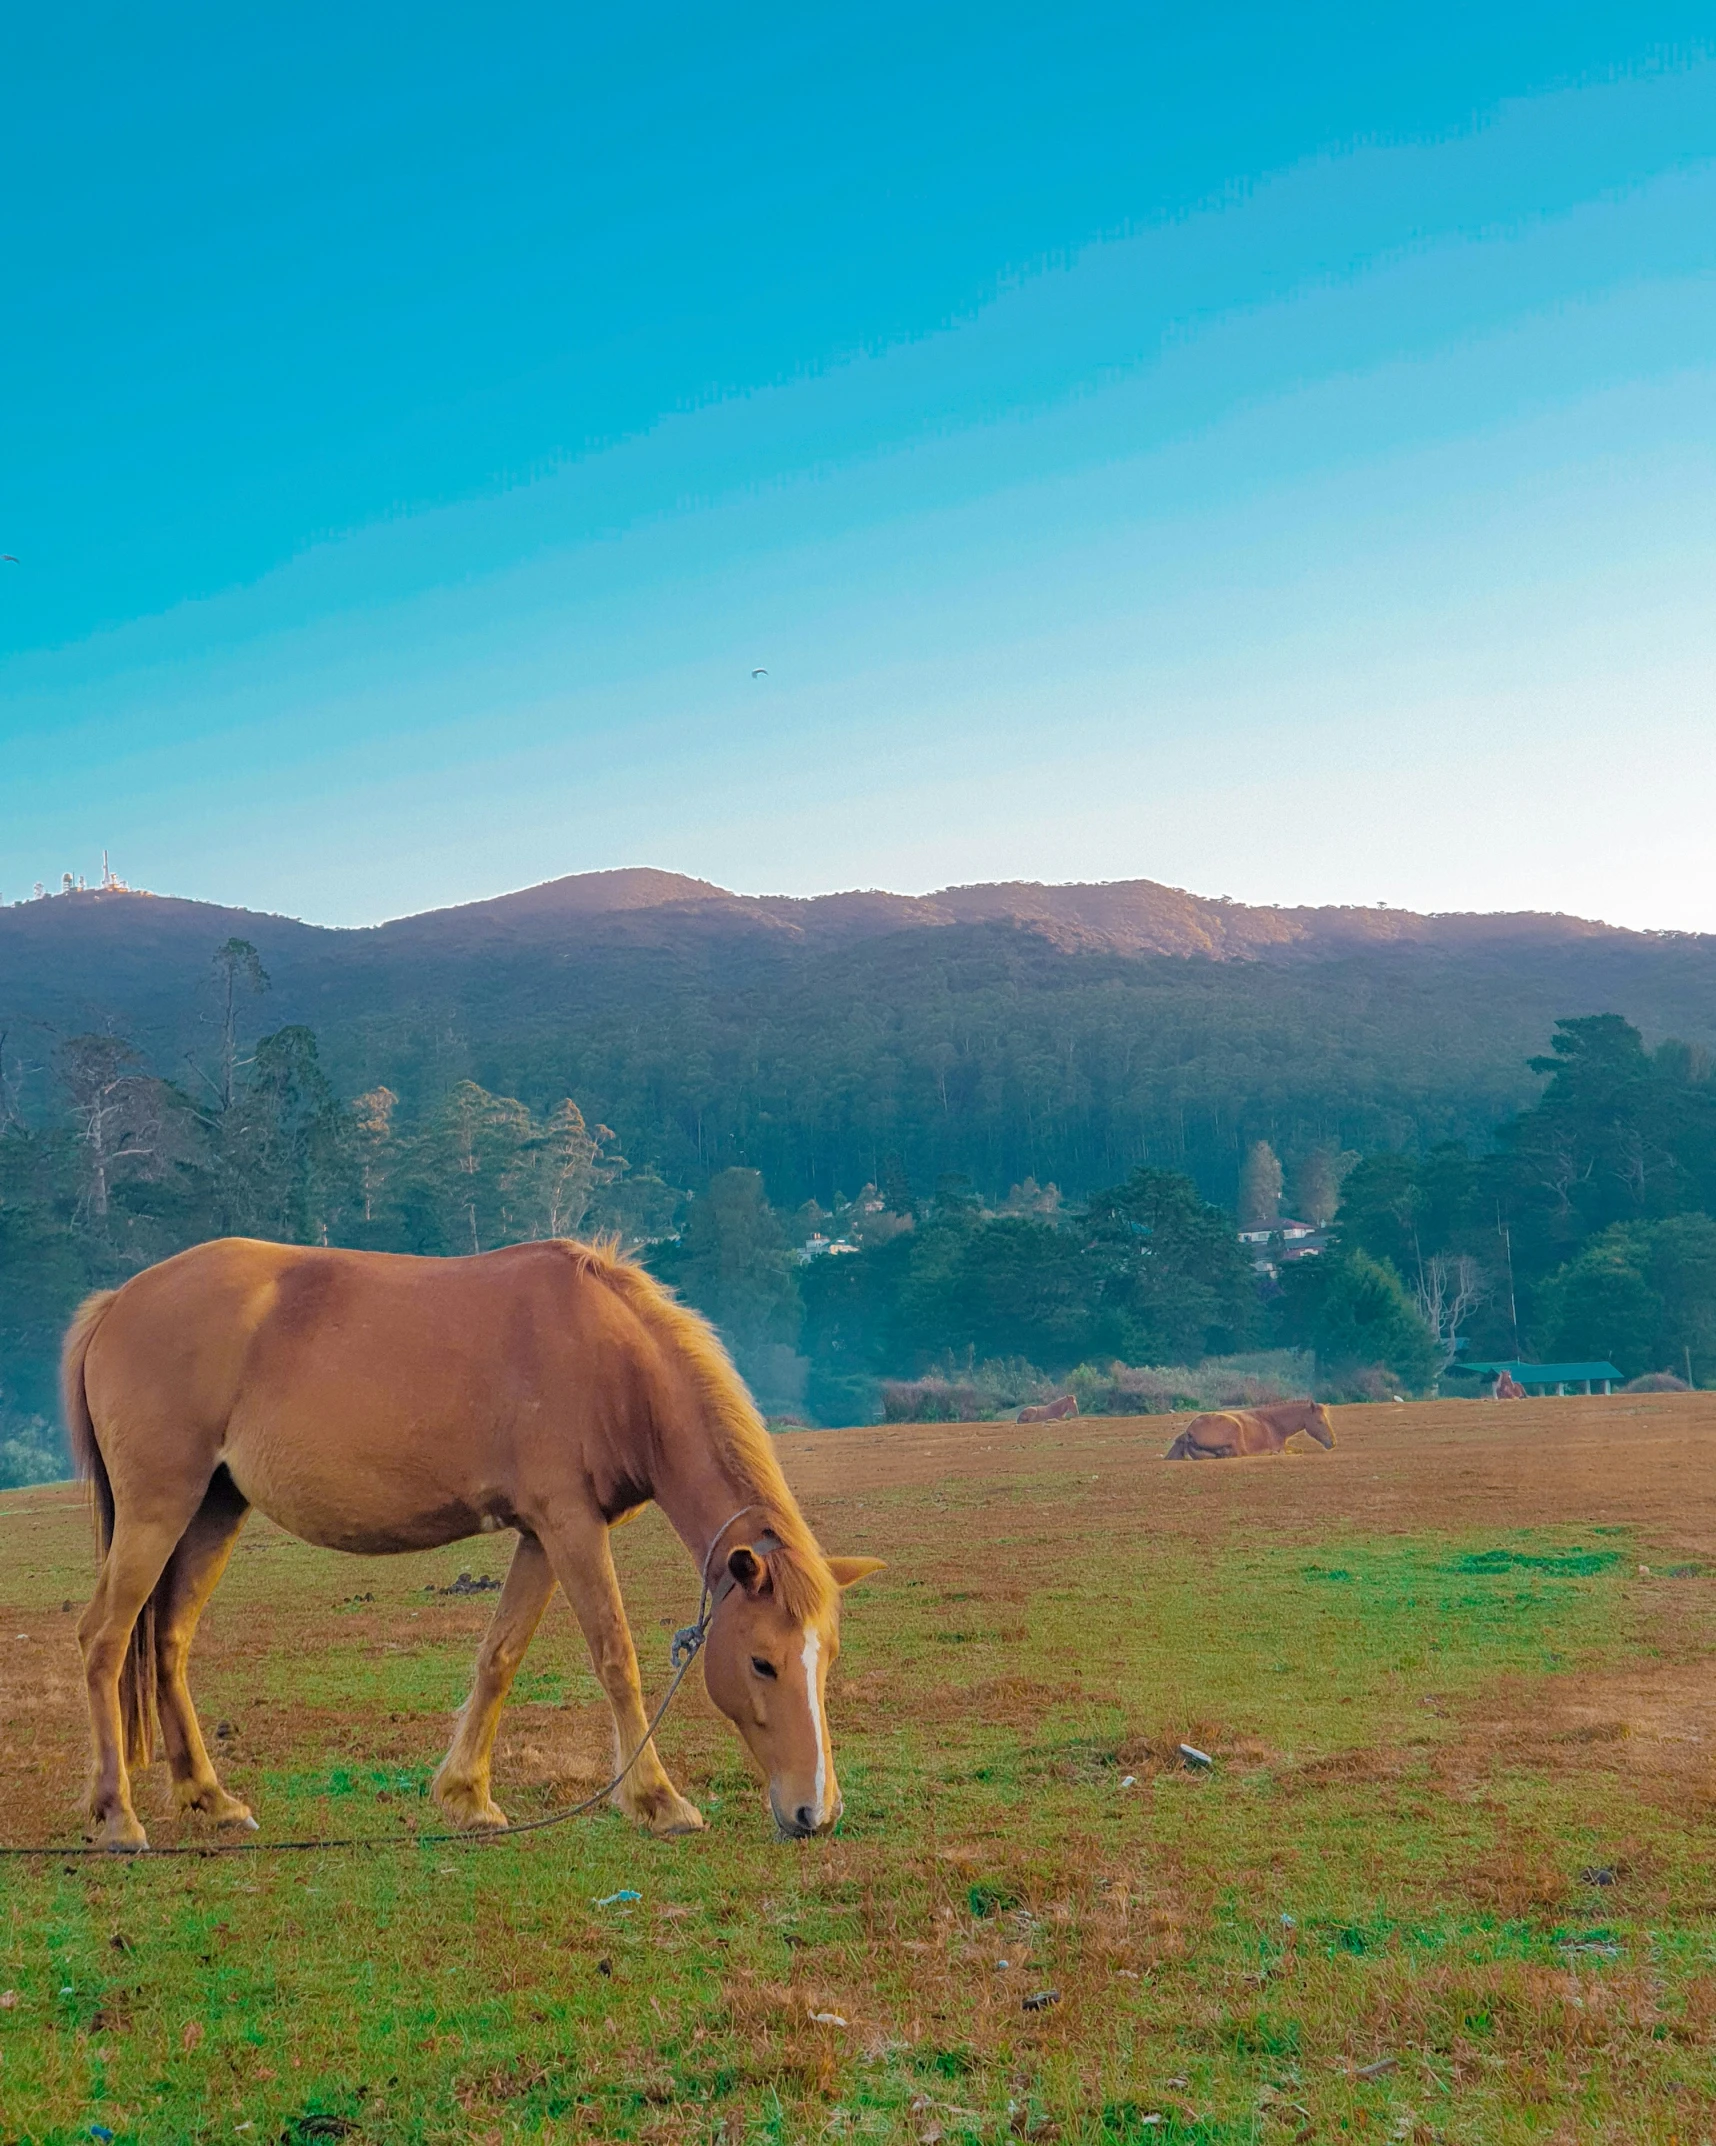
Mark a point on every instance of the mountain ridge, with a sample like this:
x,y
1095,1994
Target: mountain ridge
x,y
995,1031
1123,916
643,905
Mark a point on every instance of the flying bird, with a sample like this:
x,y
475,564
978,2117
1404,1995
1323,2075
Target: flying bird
x,y
759,674
8,558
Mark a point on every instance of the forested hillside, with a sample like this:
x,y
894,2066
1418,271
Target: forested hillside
x,y
728,1077
1061,1033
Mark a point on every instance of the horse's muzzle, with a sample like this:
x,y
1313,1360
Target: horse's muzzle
x,y
801,1824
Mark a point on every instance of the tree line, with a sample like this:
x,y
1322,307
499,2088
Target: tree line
x,y
129,1166
1146,1272
984,1049
1583,1228
1586,1230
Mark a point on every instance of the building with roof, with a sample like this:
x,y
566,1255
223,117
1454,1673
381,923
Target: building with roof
x,y
1545,1378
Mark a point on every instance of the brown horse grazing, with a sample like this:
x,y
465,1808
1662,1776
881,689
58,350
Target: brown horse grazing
x,y
1050,1411
373,1403
1231,1432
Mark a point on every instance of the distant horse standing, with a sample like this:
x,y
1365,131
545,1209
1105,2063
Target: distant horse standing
x,y
1049,1411
375,1403
1229,1434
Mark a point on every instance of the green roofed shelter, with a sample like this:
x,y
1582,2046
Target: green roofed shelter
x,y
1560,1376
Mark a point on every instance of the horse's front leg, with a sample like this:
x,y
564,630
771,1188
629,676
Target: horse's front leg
x,y
584,1564
461,1787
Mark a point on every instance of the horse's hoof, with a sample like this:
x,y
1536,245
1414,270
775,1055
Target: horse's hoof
x,y
119,1835
661,1811
477,1817
468,1809
220,1808
675,1817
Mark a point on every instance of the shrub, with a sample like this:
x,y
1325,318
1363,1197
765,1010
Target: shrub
x,y
933,1400
837,1397
1118,1389
30,1450
978,1392
1363,1382
971,1392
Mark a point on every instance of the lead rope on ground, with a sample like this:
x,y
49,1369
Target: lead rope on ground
x,y
687,1645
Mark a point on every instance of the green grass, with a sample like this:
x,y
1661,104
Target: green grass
x,y
1356,1881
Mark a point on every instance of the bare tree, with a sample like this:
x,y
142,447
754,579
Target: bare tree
x,y
1559,1169
1449,1288
1637,1161
566,1169
117,1109
573,1165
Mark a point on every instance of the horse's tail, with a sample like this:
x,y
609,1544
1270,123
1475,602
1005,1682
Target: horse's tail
x,y
80,1425
137,1677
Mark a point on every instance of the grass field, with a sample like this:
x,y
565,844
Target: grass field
x,y
1452,1875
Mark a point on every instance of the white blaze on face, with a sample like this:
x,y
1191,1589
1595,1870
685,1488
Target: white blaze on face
x,y
812,1659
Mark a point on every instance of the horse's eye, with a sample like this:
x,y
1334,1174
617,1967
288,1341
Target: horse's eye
x,y
762,1668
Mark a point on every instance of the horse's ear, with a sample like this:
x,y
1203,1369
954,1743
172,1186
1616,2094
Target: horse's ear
x,y
848,1571
748,1569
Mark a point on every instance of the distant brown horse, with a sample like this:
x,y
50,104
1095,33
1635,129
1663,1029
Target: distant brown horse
x,y
1049,1411
1233,1432
373,1403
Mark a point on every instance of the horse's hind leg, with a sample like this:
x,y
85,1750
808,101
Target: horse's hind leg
x,y
192,1573
135,1560
462,1785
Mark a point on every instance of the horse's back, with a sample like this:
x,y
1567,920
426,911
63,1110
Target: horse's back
x,y
223,1310
174,1339
363,1399
194,1326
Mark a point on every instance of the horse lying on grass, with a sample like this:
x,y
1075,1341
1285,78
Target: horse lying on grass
x,y
1050,1411
375,1403
1230,1433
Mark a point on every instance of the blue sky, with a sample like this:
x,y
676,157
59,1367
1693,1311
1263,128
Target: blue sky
x,y
1272,452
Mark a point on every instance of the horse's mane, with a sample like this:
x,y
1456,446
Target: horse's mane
x,y
802,1581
